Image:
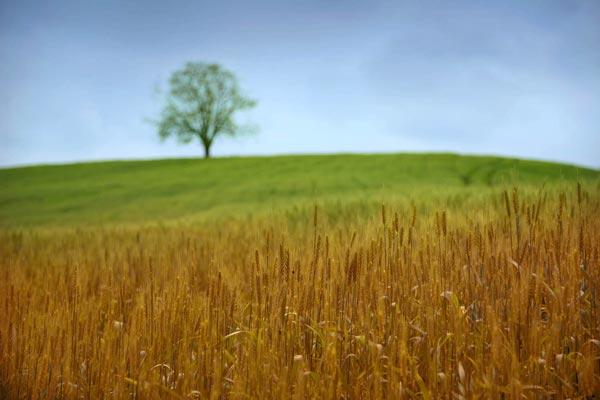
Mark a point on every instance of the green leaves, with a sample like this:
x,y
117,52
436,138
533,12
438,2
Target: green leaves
x,y
202,101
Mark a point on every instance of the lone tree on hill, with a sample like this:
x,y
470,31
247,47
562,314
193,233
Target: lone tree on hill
x,y
201,102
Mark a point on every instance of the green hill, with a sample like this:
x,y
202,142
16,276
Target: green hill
x,y
196,189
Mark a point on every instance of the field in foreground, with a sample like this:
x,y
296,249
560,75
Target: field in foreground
x,y
495,298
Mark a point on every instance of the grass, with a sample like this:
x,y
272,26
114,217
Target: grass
x,y
197,190
189,279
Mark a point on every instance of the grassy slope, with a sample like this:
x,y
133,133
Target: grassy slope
x,y
141,191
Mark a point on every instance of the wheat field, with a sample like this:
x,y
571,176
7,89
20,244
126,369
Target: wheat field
x,y
497,301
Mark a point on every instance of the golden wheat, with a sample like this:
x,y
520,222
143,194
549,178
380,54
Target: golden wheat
x,y
500,302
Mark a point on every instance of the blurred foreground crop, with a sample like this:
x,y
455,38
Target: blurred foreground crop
x,y
499,301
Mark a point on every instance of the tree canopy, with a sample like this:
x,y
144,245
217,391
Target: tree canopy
x,y
201,103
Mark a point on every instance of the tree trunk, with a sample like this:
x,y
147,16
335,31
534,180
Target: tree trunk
x,y
206,151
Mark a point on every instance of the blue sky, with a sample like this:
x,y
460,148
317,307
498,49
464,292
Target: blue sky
x,y
79,79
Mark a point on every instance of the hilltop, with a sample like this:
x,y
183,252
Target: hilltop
x,y
196,189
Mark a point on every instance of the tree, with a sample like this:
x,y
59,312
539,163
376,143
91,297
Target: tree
x,y
201,103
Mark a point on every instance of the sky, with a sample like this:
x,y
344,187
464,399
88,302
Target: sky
x,y
82,80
